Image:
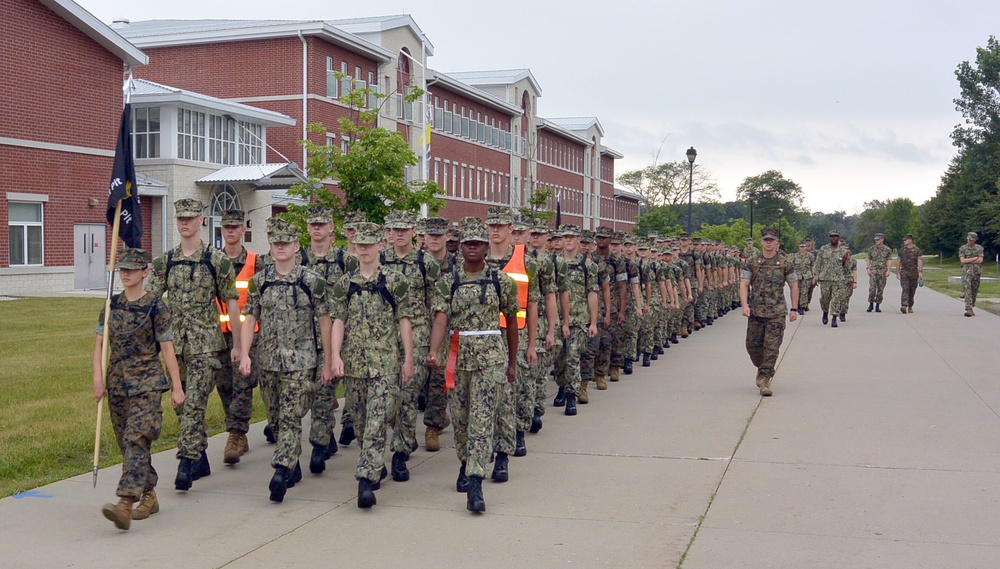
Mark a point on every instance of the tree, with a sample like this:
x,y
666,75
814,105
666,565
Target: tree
x,y
773,195
371,174
870,222
667,183
538,204
901,217
660,219
979,101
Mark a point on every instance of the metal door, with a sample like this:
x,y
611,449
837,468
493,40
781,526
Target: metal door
x,y
89,256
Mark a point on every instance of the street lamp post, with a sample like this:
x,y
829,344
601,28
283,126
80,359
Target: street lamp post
x,y
753,196
691,154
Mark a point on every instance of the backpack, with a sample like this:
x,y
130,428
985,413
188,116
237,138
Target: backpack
x,y
339,260
420,264
494,278
379,287
300,284
149,313
206,260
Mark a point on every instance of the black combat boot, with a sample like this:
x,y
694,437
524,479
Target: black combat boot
x,y
560,399
279,484
570,405
331,447
659,349
878,308
421,401
825,318
462,483
520,449
269,434
366,496
871,306
627,368
183,480
833,321
317,461
201,468
536,423
294,476
801,311
653,355
399,471
500,472
474,498
381,476
645,359
710,321
347,433
673,338
843,316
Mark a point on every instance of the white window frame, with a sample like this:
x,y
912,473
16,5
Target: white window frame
x,y
27,199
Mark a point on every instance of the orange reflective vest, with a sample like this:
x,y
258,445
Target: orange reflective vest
x,y
516,270
242,287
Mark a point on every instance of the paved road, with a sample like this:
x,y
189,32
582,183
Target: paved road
x,y
879,449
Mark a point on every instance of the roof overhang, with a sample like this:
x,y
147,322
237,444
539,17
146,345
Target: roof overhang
x,y
173,95
471,92
611,152
625,194
97,30
551,126
258,176
150,186
376,25
267,30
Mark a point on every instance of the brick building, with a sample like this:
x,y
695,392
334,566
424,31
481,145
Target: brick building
x,y
61,79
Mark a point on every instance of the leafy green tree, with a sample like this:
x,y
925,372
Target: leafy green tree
x,y
538,204
667,183
901,217
371,174
658,219
979,101
870,222
773,196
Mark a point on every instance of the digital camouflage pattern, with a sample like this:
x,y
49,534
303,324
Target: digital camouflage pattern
x,y
908,274
286,310
766,325
287,395
137,420
802,262
581,280
473,410
372,397
878,263
828,269
971,273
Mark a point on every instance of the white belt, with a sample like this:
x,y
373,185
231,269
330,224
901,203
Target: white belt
x,y
478,332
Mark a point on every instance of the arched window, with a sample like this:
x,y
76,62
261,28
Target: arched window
x,y
223,198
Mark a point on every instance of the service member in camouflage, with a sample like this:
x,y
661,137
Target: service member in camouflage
x,y
190,277
693,274
436,408
421,272
971,256
909,271
287,299
828,271
589,355
879,262
762,295
610,359
802,262
469,301
581,282
371,312
749,252
850,280
551,273
140,329
636,307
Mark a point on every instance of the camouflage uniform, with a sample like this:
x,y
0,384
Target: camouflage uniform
x,y
554,267
371,352
436,408
135,383
828,269
802,262
647,325
849,269
482,357
878,264
235,390
286,307
908,274
421,271
588,358
971,273
766,325
630,340
609,352
581,280
186,283
690,263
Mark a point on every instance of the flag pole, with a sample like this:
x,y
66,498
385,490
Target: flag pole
x,y
105,346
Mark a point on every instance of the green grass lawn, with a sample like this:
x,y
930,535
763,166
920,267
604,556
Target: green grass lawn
x,y
47,410
936,276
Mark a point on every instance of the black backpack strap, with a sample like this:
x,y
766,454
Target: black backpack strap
x,y
303,258
381,287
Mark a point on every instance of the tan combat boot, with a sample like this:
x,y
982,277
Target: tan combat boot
x,y
447,421
244,443
148,505
582,397
614,374
120,513
765,387
601,382
231,455
760,379
969,312
684,332
431,441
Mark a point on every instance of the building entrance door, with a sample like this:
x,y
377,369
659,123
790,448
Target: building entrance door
x,y
89,256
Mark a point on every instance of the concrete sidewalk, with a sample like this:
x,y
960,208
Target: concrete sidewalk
x,y
878,450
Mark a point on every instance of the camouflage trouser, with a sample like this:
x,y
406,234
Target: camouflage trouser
x,y
631,339
288,397
811,287
701,306
235,391
436,409
647,328
764,337
611,346
568,360
137,421
876,285
524,390
848,293
804,285
689,309
588,357
660,325
322,418
909,283
506,417
831,294
404,412
198,380
970,284
540,373
473,413
373,396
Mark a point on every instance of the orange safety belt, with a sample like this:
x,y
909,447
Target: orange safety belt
x,y
449,369
242,287
516,270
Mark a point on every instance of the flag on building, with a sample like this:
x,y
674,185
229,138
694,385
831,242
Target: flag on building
x,y
123,187
558,209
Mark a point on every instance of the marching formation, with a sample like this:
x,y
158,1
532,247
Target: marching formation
x,y
467,324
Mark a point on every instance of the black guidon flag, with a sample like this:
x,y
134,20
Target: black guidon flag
x,y
123,187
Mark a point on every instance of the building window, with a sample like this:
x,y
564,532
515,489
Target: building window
x,y
190,135
146,132
331,79
447,167
24,233
221,140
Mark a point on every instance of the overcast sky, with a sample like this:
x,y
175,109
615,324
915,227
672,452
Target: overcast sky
x,y
851,99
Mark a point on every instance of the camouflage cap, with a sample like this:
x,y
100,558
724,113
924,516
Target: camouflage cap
x,y
908,236
879,236
569,230
188,207
803,243
523,223
617,237
436,226
319,214
499,215
834,232
352,218
685,235
769,233
540,227
367,233
587,236
399,219
129,258
473,229
281,231
643,243
972,235
749,240
232,217
421,226
605,231
452,234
